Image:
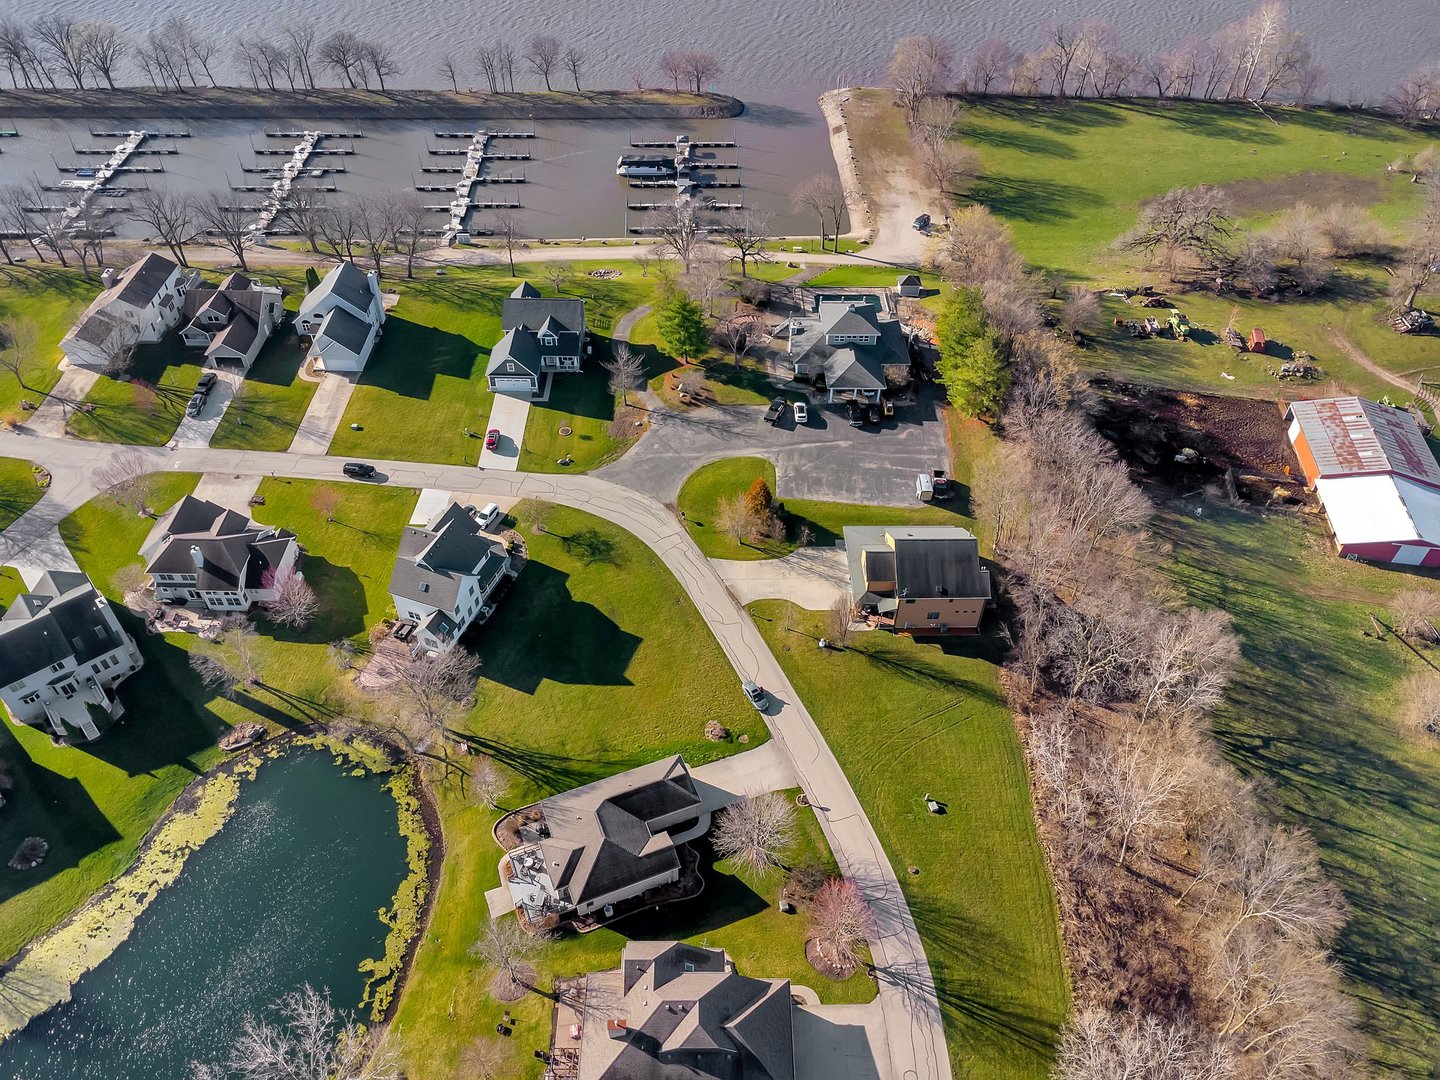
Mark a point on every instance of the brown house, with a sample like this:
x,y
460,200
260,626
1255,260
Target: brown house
x,y
920,580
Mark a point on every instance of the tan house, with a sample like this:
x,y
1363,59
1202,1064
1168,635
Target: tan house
x,y
920,580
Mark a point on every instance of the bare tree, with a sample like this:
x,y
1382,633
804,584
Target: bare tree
x,y
488,783
295,603
217,674
375,228
824,197
1348,230
1420,706
326,500
1188,661
990,65
450,72
17,53
558,273
343,54
509,949
61,40
748,233
1080,311
307,1038
1100,1045
681,232
301,39
542,54
921,68
379,58
485,1059
102,47
1277,880
1417,97
227,223
574,63
627,371
700,67
505,60
841,922
978,247
407,217
838,621
170,215
737,334
733,518
18,341
488,61
507,231
1137,786
1184,221
757,832
433,691
672,67
705,278
128,479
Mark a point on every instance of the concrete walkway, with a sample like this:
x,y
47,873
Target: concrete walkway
x,y
509,414
751,772
199,430
318,425
48,420
228,490
907,994
813,578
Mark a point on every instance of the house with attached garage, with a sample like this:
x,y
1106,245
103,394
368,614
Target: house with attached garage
x,y
137,306
851,346
340,319
445,578
62,655
201,552
231,322
922,580
1375,476
596,846
541,337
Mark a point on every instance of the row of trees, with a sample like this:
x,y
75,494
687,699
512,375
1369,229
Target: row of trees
x,y
1198,931
1257,58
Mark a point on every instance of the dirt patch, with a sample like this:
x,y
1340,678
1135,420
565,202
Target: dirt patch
x,y
1263,195
838,970
1185,441
507,986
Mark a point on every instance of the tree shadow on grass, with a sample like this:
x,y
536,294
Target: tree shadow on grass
x,y
1033,199
548,771
343,605
584,394
542,633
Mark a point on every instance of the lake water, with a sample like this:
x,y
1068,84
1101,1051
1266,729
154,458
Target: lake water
x,y
286,893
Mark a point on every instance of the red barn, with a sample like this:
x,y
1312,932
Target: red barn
x,y
1375,476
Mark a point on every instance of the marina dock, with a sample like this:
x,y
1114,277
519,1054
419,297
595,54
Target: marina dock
x,y
473,175
91,182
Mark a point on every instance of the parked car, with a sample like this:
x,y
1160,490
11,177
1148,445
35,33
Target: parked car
x,y
802,412
940,481
205,382
487,515
888,406
924,487
873,414
755,694
775,411
195,404
492,438
358,469
854,413
922,222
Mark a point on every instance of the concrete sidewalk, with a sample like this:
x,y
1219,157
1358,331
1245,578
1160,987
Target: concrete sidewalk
x,y
751,772
509,414
321,419
48,421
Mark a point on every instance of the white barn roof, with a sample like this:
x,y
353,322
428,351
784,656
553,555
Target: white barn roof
x,y
1381,509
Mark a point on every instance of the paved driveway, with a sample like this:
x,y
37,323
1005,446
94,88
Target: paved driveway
x,y
322,415
826,459
813,577
199,430
508,414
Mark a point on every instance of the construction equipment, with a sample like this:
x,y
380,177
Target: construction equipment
x,y
1179,325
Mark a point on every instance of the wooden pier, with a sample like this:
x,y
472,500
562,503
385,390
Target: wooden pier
x,y
670,144
278,134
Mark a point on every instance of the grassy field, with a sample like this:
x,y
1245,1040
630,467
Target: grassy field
x,y
708,485
18,490
866,277
427,376
48,299
145,410
1312,715
10,586
1070,176
271,402
595,662
904,719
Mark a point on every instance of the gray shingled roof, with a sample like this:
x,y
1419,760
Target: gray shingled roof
x,y
140,281
63,617
519,348
344,329
349,283
851,366
230,544
432,561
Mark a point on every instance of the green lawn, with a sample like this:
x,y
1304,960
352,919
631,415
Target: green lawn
x,y
595,662
48,298
905,719
724,383
10,586
1311,714
18,490
708,485
427,376
865,277
584,404
271,402
146,409
1070,176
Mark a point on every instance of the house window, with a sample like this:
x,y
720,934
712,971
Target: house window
x,y
59,665
30,699
424,586
932,615
15,685
100,632
509,367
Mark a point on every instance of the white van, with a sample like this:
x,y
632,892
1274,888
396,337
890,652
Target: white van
x,y
924,487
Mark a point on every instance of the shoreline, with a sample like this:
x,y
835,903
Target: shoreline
x,y
233,102
858,205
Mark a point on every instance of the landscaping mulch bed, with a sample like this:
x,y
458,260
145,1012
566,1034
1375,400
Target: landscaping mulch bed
x,y
838,972
1150,426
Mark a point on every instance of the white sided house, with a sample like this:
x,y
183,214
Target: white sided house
x,y
62,654
138,306
445,579
606,842
201,552
232,322
542,336
341,319
852,346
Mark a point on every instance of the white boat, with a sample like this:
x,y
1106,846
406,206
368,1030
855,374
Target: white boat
x,y
637,165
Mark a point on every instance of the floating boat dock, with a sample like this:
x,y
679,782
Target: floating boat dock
x,y
690,177
471,176
92,181
298,167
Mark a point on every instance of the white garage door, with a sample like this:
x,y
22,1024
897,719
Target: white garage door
x,y
512,384
1410,555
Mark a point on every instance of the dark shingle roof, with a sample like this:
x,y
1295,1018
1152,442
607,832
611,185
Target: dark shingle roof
x,y
432,562
532,312
344,329
140,281
351,284
516,347
233,549
852,366
63,617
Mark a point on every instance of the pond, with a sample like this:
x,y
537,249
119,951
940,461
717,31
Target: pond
x,y
287,893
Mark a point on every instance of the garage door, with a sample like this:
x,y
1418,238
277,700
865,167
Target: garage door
x,y
512,384
1410,555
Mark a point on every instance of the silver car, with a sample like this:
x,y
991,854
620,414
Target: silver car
x,y
755,694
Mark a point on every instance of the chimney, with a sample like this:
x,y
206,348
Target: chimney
x,y
107,277
196,557
617,1029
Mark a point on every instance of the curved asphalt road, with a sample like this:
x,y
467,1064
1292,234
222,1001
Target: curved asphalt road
x,y
907,995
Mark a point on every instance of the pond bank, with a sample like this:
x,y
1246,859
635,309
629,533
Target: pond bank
x,y
234,102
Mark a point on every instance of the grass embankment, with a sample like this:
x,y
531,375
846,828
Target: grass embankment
x,y
596,662
271,401
904,719
11,586
425,384
707,486
146,409
49,299
1311,714
18,489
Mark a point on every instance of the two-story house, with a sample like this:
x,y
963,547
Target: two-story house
x,y
202,552
341,319
921,580
139,305
445,577
231,322
62,654
851,346
541,337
